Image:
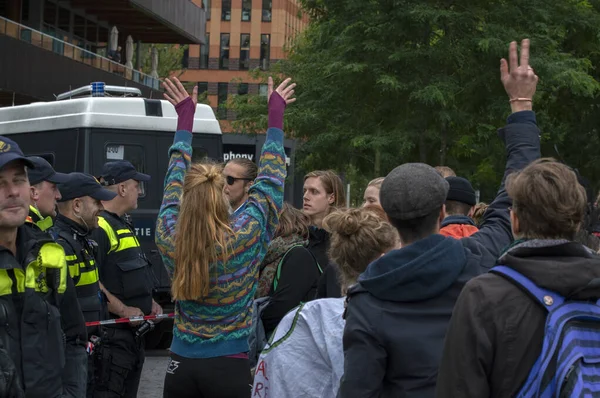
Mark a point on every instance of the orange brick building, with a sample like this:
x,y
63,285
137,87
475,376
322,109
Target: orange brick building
x,y
241,35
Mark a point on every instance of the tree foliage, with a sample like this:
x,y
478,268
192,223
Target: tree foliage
x,y
169,58
383,82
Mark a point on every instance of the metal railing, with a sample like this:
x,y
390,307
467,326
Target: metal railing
x,y
66,49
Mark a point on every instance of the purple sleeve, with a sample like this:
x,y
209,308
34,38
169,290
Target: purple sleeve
x,y
185,112
276,110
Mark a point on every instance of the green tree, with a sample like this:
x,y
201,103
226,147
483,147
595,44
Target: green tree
x,y
169,58
383,82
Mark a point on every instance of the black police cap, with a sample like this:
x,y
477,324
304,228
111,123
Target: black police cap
x,y
43,171
119,171
9,151
80,185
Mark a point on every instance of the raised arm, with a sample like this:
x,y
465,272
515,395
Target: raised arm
x,y
521,138
265,198
180,158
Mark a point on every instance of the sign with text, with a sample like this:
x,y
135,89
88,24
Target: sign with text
x,y
232,151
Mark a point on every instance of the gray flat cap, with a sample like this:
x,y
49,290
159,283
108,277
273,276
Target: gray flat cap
x,y
412,190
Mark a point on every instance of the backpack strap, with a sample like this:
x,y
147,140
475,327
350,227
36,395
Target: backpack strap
x,y
547,298
278,273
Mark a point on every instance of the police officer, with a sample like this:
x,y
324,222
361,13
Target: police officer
x,y
79,208
44,193
33,277
126,273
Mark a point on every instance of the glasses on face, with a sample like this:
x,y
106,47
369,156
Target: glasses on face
x,y
231,180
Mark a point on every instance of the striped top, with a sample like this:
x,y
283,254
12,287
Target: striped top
x,y
220,324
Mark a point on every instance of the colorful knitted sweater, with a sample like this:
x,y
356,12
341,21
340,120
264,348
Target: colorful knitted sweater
x,y
220,324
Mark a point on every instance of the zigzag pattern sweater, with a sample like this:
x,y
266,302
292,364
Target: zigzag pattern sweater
x,y
219,324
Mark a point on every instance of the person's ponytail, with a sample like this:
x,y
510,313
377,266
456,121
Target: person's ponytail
x,y
202,231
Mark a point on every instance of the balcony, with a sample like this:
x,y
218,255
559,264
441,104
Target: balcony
x,y
38,59
151,21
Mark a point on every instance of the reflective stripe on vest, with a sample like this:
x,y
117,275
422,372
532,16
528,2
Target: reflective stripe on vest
x,y
127,240
50,255
81,273
43,223
120,240
126,271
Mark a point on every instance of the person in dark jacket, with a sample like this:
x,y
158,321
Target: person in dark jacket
x,y
497,329
460,206
398,313
289,272
323,193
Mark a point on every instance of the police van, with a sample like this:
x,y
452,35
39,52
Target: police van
x,y
95,124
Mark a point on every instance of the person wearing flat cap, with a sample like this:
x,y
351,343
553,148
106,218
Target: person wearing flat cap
x,y
79,206
33,283
44,193
125,273
398,312
460,205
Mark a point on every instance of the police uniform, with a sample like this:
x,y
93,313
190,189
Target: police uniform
x,y
126,273
42,171
79,250
32,287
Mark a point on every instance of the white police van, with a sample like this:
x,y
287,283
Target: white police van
x,y
91,125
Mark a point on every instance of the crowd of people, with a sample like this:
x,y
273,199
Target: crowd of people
x,y
420,292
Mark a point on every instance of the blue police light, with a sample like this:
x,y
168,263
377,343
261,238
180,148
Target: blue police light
x,y
98,89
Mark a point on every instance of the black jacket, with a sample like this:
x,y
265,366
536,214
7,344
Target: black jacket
x,y
497,329
329,284
398,313
297,283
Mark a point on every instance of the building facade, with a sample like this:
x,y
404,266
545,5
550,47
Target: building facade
x,y
241,35
52,46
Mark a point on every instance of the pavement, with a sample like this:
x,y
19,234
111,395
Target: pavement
x,y
153,374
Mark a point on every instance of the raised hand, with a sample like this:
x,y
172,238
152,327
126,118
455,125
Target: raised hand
x,y
285,90
519,79
176,93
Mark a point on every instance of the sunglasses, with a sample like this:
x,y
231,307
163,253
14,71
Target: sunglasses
x,y
231,180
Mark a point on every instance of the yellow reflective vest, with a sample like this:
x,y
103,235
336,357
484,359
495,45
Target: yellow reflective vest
x,y
31,287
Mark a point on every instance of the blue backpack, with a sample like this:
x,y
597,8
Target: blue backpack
x,y
569,364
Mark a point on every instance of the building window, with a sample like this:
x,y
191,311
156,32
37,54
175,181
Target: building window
x,y
265,51
222,100
266,10
132,153
263,90
244,51
206,6
226,10
204,49
185,59
243,89
202,87
246,10
224,58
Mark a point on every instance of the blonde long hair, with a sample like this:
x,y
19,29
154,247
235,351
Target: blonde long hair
x,y
202,231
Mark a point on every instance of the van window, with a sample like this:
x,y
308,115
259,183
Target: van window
x,y
131,153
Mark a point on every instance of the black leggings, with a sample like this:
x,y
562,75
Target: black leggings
x,y
219,377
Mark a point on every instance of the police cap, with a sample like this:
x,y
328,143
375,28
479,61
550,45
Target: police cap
x,y
119,171
43,171
9,151
80,185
